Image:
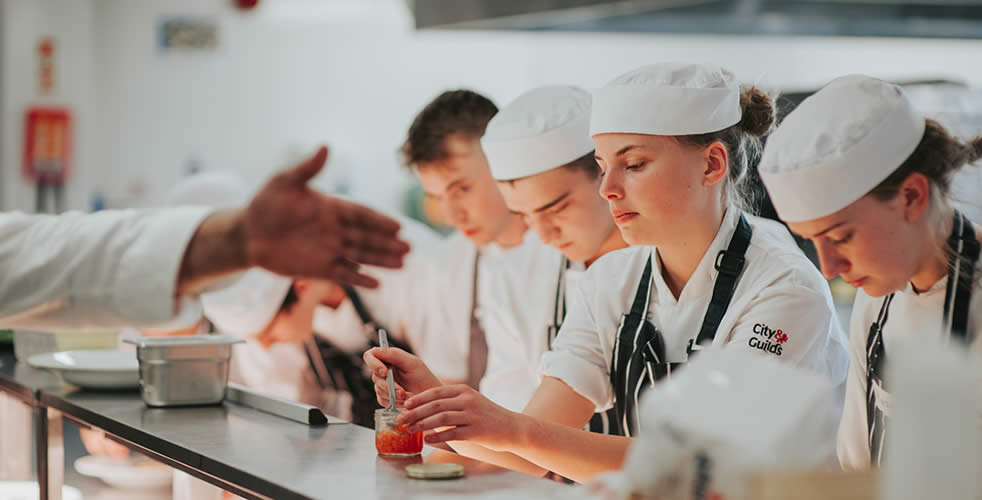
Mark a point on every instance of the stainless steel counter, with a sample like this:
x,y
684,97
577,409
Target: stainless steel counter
x,y
257,455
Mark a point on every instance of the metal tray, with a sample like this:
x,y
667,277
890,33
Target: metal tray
x,y
184,371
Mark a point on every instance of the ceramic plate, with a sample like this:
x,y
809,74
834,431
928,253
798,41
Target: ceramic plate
x,y
129,473
28,490
93,369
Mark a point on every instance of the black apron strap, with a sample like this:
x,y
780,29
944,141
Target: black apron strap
x,y
368,320
559,304
363,314
729,263
627,365
477,355
875,361
962,258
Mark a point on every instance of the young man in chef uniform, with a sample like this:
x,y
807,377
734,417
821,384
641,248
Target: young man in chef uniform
x,y
541,154
443,149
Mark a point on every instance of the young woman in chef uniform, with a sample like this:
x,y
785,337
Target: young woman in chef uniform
x,y
541,154
863,176
673,142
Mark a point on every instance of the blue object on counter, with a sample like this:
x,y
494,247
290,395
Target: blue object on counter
x,y
98,202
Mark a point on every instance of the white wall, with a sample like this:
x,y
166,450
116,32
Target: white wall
x,y
281,82
296,73
22,25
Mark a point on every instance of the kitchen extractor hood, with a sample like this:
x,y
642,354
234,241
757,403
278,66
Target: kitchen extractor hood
x,y
924,18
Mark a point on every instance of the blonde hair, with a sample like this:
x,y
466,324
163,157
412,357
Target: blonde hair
x,y
743,143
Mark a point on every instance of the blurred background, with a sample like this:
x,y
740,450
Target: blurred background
x,y
108,103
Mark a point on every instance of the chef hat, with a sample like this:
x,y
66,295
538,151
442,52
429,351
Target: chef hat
x,y
249,302
542,129
246,306
667,99
838,144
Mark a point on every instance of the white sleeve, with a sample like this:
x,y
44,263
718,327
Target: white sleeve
x,y
797,324
509,380
443,342
579,357
107,269
853,442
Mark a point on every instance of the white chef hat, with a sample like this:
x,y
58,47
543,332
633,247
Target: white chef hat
x,y
542,129
248,303
838,144
667,99
246,306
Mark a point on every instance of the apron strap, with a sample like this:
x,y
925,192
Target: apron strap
x,y
356,302
559,304
729,263
627,358
875,419
962,258
639,307
477,355
371,326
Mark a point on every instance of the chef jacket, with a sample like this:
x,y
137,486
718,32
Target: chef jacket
x,y
527,304
781,307
914,317
107,269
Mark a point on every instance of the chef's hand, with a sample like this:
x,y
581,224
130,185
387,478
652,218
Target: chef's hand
x,y
96,443
411,375
293,230
290,229
459,413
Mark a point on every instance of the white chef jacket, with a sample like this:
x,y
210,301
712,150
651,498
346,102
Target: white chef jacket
x,y
278,370
449,350
521,310
780,304
914,317
107,269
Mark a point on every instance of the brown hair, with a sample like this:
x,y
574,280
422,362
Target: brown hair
x,y
586,164
460,113
742,142
938,156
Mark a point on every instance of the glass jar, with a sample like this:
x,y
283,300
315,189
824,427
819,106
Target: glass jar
x,y
393,439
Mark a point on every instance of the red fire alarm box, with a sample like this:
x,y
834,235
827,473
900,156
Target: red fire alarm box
x,y
47,145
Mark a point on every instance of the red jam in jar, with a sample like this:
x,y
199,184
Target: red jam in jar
x,y
395,440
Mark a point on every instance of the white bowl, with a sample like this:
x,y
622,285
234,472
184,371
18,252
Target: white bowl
x,y
128,473
103,369
28,490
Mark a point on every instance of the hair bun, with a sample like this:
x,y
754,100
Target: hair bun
x,y
758,112
975,149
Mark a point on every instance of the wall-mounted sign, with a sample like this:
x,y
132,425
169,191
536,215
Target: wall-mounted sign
x,y
47,145
187,34
46,66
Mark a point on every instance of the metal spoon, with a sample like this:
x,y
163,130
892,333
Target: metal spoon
x,y
383,341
